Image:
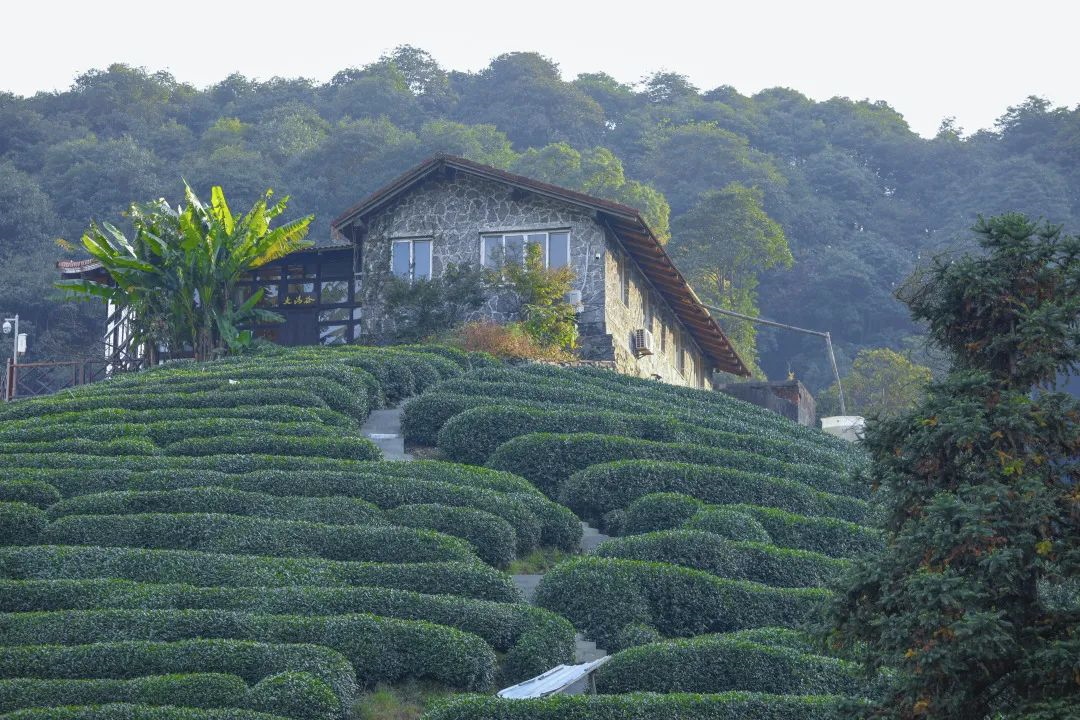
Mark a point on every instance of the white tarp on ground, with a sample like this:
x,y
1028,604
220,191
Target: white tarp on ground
x,y
553,681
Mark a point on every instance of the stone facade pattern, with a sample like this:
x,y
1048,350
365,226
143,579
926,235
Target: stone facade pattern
x,y
455,211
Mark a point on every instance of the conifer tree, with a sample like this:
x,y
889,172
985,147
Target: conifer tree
x,y
974,604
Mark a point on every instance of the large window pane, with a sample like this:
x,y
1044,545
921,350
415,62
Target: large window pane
x,y
333,334
270,296
401,264
559,249
541,240
492,251
514,247
335,315
422,259
334,292
300,294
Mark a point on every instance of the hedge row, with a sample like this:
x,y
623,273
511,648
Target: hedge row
x,y
351,448
535,520
115,473
112,416
492,538
826,535
297,695
603,487
240,535
132,711
642,706
425,415
234,398
169,431
21,523
32,492
251,661
716,663
335,510
684,397
548,460
473,435
536,639
379,649
601,596
735,559
611,391
211,569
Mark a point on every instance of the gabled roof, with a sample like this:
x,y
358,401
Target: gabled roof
x,y
623,221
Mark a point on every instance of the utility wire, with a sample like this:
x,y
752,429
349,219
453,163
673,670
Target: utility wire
x,y
782,326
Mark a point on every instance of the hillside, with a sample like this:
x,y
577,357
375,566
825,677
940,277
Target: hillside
x,y
860,198
223,538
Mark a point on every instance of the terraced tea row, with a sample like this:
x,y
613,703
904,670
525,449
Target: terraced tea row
x,y
221,541
732,525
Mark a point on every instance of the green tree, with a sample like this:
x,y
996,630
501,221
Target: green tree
x,y
177,276
973,601
882,384
422,308
541,291
722,244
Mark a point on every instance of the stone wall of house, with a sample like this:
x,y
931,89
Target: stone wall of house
x,y
623,319
454,212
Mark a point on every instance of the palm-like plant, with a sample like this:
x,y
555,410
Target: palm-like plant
x,y
177,276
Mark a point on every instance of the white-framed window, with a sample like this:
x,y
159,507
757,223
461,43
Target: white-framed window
x,y
411,258
496,248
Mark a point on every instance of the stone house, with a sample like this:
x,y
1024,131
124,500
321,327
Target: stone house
x,y
635,309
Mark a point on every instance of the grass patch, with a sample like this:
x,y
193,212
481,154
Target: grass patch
x,y
405,701
537,562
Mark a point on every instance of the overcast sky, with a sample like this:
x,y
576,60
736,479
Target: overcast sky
x,y
928,59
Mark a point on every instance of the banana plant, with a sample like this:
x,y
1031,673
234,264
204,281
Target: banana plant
x,y
177,276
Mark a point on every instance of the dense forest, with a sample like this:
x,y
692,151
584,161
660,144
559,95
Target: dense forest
x,y
832,203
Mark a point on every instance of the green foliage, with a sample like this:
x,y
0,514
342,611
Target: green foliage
x,y
131,711
334,510
548,460
379,649
734,524
603,487
659,511
423,308
251,661
492,538
737,559
32,492
210,569
601,596
641,706
717,663
979,485
178,275
882,383
541,291
294,694
197,690
722,244
211,532
21,523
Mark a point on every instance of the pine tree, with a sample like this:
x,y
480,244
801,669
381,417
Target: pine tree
x,y
974,605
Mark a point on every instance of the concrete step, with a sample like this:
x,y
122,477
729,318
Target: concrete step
x,y
590,538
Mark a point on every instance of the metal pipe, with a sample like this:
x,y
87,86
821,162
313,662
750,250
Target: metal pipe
x,y
782,326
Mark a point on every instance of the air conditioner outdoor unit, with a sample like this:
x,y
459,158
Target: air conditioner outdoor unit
x,y
643,342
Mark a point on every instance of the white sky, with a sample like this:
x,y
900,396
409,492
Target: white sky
x,y
928,59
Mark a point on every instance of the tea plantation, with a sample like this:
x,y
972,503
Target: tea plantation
x,y
221,540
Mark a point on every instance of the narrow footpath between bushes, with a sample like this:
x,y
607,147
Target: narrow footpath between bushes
x,y
383,427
